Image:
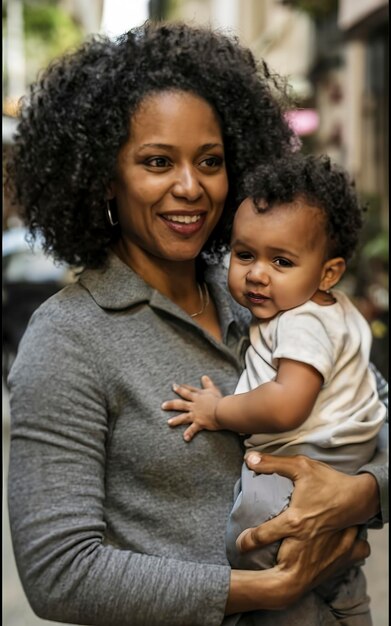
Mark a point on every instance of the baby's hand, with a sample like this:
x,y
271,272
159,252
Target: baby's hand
x,y
199,406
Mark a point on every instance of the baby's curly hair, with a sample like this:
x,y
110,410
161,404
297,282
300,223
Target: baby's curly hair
x,y
321,184
77,116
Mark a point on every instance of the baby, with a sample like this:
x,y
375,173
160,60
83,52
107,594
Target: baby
x,y
307,387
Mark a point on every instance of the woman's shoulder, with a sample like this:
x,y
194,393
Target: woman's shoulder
x,y
67,316
69,304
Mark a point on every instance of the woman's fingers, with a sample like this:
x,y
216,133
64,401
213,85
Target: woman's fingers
x,y
289,523
290,467
323,497
347,558
263,535
361,550
341,551
322,557
315,506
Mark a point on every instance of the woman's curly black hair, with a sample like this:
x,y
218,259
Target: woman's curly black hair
x,y
321,184
77,116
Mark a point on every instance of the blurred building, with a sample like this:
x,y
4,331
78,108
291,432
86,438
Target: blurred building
x,y
271,29
335,56
364,24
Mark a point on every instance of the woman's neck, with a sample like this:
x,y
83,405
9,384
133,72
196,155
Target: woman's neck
x,y
174,279
177,280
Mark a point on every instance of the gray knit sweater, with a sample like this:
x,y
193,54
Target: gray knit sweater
x,y
115,520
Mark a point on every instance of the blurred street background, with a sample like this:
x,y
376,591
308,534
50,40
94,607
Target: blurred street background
x,y
334,55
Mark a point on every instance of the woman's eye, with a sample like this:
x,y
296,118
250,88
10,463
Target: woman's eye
x,y
212,161
283,262
158,162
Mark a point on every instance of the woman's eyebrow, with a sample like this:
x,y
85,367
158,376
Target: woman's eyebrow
x,y
165,146
155,145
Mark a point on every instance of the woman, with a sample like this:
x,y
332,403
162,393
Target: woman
x,y
128,159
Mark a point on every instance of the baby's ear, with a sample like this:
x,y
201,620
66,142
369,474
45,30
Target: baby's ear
x,y
333,271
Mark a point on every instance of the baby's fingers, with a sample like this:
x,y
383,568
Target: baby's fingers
x,y
176,405
178,420
207,383
185,391
191,432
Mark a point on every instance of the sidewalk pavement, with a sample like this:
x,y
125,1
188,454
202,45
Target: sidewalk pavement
x,y
16,610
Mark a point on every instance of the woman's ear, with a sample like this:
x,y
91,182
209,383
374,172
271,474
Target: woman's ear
x,y
333,271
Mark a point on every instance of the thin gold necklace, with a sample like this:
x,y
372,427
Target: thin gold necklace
x,y
204,299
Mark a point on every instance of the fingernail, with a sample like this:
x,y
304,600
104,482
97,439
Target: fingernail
x,y
163,406
254,459
175,386
169,421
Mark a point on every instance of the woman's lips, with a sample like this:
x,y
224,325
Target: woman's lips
x,y
184,223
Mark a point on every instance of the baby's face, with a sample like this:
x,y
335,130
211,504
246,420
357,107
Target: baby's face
x,y
277,256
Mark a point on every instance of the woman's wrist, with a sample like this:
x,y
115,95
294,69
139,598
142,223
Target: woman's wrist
x,y
358,501
261,590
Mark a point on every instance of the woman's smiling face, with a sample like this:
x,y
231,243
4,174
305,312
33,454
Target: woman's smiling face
x,y
171,180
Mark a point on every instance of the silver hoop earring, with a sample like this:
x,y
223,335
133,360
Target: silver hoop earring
x,y
109,215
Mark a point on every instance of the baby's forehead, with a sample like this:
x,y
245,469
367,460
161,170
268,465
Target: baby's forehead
x,y
299,206
296,218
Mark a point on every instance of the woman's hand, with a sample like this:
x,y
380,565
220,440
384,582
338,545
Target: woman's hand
x,y
298,570
319,531
323,501
199,406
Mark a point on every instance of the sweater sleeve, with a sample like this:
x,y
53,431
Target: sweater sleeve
x,y
56,503
378,466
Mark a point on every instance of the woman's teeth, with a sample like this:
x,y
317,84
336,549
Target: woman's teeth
x,y
183,219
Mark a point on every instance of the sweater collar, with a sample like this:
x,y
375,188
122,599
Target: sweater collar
x,y
117,287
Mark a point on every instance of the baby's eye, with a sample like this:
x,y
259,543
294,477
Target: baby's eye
x,y
281,262
158,162
244,256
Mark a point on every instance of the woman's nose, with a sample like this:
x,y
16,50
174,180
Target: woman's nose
x,y
187,185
